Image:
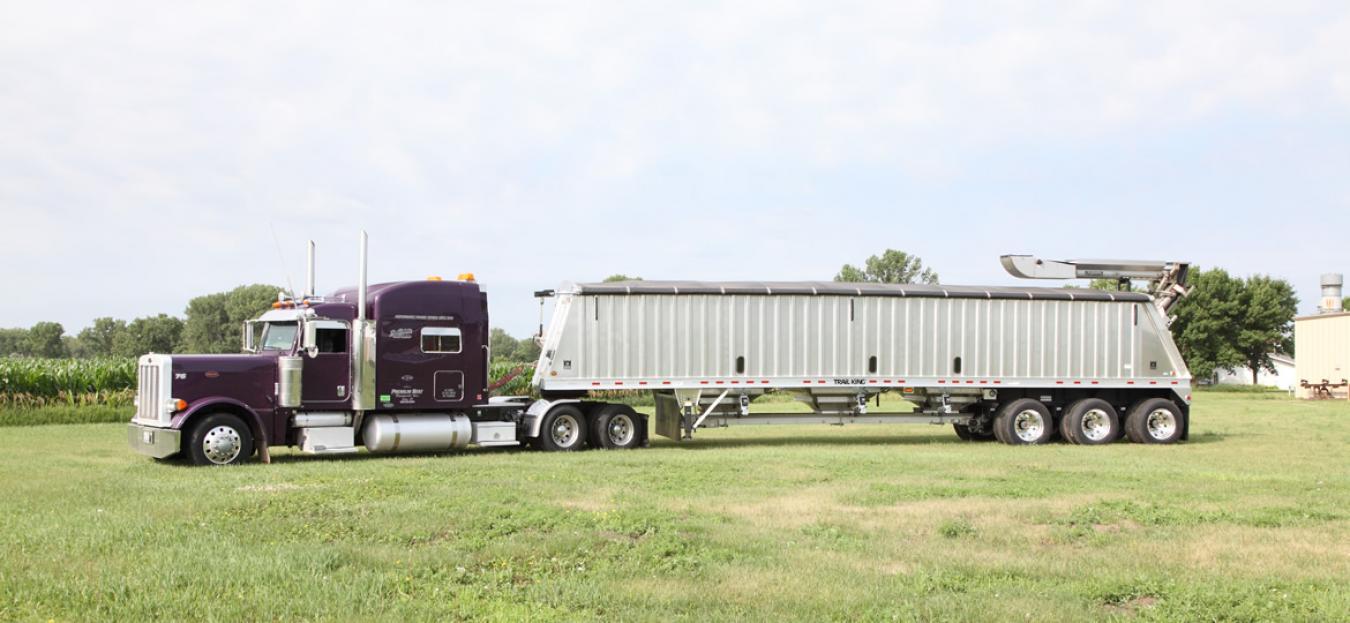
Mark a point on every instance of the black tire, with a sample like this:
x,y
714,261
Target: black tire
x,y
617,427
965,433
563,430
1024,422
1155,420
1090,422
219,439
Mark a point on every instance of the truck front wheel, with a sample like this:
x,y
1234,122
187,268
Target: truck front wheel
x,y
219,439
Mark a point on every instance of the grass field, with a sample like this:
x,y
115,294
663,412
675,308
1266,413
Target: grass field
x,y
1248,521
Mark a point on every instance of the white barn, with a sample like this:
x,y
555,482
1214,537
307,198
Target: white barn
x,y
1284,376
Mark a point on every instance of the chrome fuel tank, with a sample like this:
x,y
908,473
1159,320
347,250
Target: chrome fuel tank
x,y
423,432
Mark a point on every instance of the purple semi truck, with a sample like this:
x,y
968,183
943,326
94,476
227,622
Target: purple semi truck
x,y
403,366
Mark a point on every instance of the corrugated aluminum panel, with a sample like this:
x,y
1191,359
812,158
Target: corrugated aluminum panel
x,y
615,341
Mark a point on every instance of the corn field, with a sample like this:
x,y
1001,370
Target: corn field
x,y
519,385
26,382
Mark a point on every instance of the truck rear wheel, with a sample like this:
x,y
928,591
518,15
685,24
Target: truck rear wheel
x,y
219,439
1156,420
1091,422
1024,422
563,430
617,427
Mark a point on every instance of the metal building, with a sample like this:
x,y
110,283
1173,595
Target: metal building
x,y
1322,346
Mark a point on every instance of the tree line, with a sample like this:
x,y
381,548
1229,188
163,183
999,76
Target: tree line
x,y
211,324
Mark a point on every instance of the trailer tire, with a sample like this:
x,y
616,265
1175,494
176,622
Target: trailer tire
x,y
1155,420
1024,421
1090,422
617,427
964,432
219,439
563,430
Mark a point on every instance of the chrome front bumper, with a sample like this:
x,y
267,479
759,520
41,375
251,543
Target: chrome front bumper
x,y
156,442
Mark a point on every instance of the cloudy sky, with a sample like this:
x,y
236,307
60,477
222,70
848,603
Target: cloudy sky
x,y
150,152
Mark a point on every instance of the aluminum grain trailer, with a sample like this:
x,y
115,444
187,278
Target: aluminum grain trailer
x,y
1021,365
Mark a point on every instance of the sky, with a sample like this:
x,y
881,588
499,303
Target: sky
x,y
151,152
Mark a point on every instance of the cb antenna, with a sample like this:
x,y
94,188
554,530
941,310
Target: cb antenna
x,y
281,257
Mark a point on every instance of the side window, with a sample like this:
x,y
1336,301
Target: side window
x,y
440,340
331,340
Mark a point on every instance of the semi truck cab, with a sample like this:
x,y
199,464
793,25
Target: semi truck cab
x,y
398,367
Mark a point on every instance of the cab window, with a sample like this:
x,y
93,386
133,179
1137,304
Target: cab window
x,y
331,340
279,336
441,340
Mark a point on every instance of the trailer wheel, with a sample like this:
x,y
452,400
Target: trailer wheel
x,y
617,427
964,432
563,430
219,439
1156,420
1091,422
1024,422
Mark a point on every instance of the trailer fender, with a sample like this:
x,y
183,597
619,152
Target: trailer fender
x,y
534,416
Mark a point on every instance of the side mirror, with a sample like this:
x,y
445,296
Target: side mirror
x,y
248,336
310,343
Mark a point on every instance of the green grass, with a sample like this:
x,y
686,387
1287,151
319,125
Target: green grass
x,y
1249,521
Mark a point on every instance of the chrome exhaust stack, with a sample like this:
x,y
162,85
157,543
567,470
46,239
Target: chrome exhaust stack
x,y
363,344
309,271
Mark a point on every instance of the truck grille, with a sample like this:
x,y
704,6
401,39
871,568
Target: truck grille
x,y
150,395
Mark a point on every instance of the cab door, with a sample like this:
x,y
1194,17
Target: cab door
x,y
326,376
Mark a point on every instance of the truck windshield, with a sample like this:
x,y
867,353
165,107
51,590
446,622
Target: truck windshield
x,y
279,335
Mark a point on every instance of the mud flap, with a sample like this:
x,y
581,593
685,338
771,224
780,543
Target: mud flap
x,y
669,416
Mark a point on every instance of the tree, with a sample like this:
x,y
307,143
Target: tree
x,y
621,277
154,334
891,266
502,344
44,340
214,320
506,348
1267,322
1112,285
527,350
1208,321
97,339
13,341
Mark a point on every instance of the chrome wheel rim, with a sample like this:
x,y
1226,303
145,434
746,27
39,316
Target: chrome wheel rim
x,y
1029,425
222,445
1096,425
566,431
1162,424
620,430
